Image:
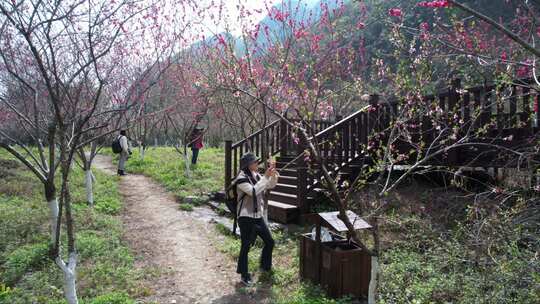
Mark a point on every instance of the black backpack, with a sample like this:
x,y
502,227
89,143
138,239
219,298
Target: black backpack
x,y
116,146
231,200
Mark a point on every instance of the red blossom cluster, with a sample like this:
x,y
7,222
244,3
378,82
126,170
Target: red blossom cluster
x,y
395,12
434,4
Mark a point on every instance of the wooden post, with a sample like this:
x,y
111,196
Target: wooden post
x,y
525,117
302,179
372,120
228,163
513,119
454,94
283,137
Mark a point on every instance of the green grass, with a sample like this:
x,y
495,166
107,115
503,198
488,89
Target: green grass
x,y
166,166
285,285
27,275
186,207
430,252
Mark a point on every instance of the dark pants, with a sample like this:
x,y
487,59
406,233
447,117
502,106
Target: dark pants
x,y
250,228
194,156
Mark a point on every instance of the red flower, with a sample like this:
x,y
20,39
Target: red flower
x,y
221,40
424,26
504,56
300,34
434,4
395,12
523,71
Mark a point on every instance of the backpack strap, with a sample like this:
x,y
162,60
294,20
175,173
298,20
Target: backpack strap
x,y
236,182
235,221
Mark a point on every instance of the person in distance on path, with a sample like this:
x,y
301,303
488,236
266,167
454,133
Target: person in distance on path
x,y
126,152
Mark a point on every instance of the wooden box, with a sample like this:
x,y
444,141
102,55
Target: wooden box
x,y
341,267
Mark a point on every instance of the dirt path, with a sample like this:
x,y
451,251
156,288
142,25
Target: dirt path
x,y
176,242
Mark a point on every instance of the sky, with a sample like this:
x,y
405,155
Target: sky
x,y
256,7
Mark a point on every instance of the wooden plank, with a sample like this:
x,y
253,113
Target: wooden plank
x,y
525,115
228,164
513,119
332,221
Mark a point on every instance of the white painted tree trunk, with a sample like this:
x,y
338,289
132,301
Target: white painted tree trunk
x,y
155,142
89,187
373,281
141,152
53,214
187,166
70,277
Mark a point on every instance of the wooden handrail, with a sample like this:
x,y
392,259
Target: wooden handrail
x,y
341,122
241,142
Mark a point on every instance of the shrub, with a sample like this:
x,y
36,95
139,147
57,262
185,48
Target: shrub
x,y
24,259
108,205
112,298
186,207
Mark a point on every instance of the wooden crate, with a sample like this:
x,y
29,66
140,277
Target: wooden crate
x,y
340,267
310,263
345,269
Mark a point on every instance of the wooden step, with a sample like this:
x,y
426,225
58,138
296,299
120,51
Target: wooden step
x,y
289,180
285,188
281,164
287,172
285,159
282,213
283,197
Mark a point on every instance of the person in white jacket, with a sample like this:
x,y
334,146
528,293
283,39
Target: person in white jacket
x,y
124,155
251,188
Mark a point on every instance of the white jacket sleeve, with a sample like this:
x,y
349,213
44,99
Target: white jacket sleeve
x,y
273,181
124,143
260,187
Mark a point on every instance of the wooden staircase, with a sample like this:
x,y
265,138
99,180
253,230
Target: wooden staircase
x,y
343,143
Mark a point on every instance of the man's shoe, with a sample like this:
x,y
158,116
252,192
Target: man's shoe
x,y
246,280
122,173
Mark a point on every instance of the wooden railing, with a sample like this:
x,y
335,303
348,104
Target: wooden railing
x,y
276,137
513,120
340,143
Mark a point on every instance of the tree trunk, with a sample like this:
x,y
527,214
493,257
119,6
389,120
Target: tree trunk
x,y
187,165
89,187
70,277
53,214
187,162
373,281
141,152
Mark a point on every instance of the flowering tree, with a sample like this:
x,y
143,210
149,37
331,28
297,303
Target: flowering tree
x,y
306,64
189,102
67,66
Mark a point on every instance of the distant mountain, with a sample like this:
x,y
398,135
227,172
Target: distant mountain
x,y
299,10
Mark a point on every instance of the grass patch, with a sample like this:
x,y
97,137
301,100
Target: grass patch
x,y
105,270
285,284
437,246
186,207
166,166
